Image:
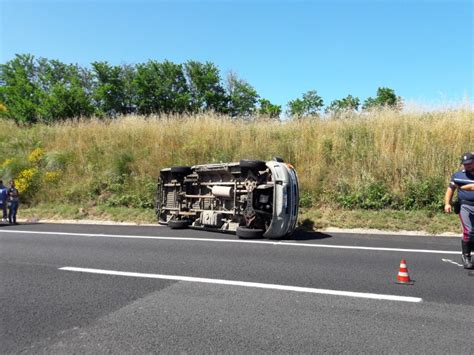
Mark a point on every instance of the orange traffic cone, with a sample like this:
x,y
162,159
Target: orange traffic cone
x,y
402,277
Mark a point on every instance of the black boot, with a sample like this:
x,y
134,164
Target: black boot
x,y
466,254
467,262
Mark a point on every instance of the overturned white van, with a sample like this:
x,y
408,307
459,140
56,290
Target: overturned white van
x,y
252,198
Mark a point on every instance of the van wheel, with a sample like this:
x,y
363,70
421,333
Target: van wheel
x,y
178,224
248,233
182,170
253,164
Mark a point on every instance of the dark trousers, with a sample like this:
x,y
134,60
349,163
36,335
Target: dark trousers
x,y
3,207
12,209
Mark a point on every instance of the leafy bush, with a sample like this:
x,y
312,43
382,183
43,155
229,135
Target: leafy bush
x,y
128,200
427,193
122,165
306,199
373,195
28,182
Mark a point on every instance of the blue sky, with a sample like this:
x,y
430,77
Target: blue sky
x,y
421,48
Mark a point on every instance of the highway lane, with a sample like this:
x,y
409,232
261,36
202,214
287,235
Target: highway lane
x,y
51,310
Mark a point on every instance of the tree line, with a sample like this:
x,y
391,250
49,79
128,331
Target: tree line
x,y
42,90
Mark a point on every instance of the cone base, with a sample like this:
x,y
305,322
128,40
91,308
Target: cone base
x,y
411,282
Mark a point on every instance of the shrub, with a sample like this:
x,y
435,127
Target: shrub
x,y
27,183
373,195
36,156
427,193
306,199
122,164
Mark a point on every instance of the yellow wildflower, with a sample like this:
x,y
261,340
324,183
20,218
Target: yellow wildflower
x,y
3,108
36,155
25,179
21,185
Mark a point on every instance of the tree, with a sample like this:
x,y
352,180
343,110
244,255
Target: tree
x,y
268,109
242,96
129,95
386,97
44,90
66,91
161,88
19,89
51,72
48,90
347,104
309,105
206,90
114,90
66,100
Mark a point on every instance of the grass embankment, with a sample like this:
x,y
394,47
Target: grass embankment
x,y
381,170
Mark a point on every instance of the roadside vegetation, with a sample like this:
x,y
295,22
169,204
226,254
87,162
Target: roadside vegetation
x,y
382,163
88,142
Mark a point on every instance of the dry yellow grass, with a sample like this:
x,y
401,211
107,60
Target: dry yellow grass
x,y
384,146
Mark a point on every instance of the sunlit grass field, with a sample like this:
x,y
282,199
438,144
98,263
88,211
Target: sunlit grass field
x,y
372,161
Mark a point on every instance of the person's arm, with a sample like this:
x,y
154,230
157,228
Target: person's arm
x,y
468,187
448,198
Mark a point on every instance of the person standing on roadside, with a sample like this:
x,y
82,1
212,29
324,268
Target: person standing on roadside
x,y
463,181
13,201
3,200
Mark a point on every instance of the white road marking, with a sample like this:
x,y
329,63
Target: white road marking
x,y
451,262
247,284
279,243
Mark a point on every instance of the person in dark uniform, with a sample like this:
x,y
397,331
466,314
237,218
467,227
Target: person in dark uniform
x,y
3,200
463,181
13,201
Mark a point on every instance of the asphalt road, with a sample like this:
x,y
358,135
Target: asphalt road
x,y
115,289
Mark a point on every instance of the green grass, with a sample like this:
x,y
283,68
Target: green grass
x,y
428,221
81,212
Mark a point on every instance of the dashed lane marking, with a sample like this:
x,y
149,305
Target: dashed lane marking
x,y
279,243
248,284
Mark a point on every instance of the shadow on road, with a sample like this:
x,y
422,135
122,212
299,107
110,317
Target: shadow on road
x,y
306,232
308,235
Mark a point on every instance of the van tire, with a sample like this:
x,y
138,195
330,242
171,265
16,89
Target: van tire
x,y
253,164
249,233
178,224
182,170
